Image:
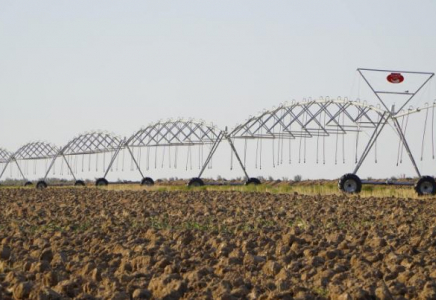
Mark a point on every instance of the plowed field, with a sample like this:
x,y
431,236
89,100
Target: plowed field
x,y
90,243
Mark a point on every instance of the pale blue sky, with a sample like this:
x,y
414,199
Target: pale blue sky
x,y
72,66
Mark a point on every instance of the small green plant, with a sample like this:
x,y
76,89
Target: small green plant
x,y
322,292
83,226
342,225
264,223
157,223
196,225
299,222
136,224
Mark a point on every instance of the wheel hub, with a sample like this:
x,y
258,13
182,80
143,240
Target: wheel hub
x,y
426,187
350,186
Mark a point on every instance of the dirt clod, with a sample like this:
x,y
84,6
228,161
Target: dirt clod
x,y
92,243
22,290
167,287
141,294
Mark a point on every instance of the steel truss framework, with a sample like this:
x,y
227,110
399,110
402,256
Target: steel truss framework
x,y
178,132
31,151
35,150
391,114
334,117
89,143
308,119
175,133
325,117
4,156
305,119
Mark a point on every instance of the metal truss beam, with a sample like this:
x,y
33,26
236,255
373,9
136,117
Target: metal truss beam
x,y
178,132
94,142
310,119
174,133
31,151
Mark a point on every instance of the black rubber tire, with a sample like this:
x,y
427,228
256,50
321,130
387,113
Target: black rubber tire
x,y
101,182
350,183
41,185
28,183
147,181
195,182
253,181
79,183
426,185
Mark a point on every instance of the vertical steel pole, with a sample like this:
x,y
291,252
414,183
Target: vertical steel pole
x,y
69,167
237,157
113,158
19,169
406,145
371,141
134,160
211,153
392,115
51,165
4,170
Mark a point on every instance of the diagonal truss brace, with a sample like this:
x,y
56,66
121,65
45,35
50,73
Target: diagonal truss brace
x,y
88,143
393,115
377,93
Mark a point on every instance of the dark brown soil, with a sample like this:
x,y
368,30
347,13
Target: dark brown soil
x,y
91,243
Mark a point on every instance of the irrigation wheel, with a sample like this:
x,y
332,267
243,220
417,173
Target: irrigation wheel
x,y
101,182
41,185
147,181
426,185
79,183
252,181
195,182
350,183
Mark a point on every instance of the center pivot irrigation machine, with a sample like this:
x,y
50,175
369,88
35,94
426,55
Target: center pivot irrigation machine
x,y
288,128
84,149
394,115
94,151
173,134
35,151
318,119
